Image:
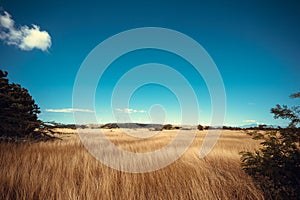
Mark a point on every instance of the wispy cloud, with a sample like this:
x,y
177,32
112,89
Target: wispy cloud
x,y
250,121
129,110
24,37
68,110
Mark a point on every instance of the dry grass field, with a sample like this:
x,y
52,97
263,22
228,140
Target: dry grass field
x,y
63,169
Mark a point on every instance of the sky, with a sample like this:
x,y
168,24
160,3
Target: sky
x,y
254,44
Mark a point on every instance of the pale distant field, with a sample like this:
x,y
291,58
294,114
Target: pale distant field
x,y
64,169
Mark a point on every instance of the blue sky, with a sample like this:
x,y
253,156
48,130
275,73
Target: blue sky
x,y
255,45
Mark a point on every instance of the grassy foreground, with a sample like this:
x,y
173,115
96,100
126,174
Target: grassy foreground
x,y
65,170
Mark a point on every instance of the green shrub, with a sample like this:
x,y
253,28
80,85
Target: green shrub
x,y
200,127
276,165
168,127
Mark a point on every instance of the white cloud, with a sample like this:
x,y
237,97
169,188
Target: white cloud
x,y
250,121
129,110
24,37
68,110
6,21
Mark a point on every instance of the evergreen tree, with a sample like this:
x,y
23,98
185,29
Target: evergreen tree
x,y
18,111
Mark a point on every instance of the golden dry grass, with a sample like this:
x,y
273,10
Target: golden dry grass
x,y
65,170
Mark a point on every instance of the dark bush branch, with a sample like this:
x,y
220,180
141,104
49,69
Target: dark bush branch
x,y
276,165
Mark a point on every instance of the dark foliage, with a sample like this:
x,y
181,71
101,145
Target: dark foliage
x,y
231,128
276,165
200,127
110,126
169,127
18,113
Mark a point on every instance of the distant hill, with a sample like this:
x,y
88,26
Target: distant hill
x,y
256,125
132,125
249,126
153,126
141,125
